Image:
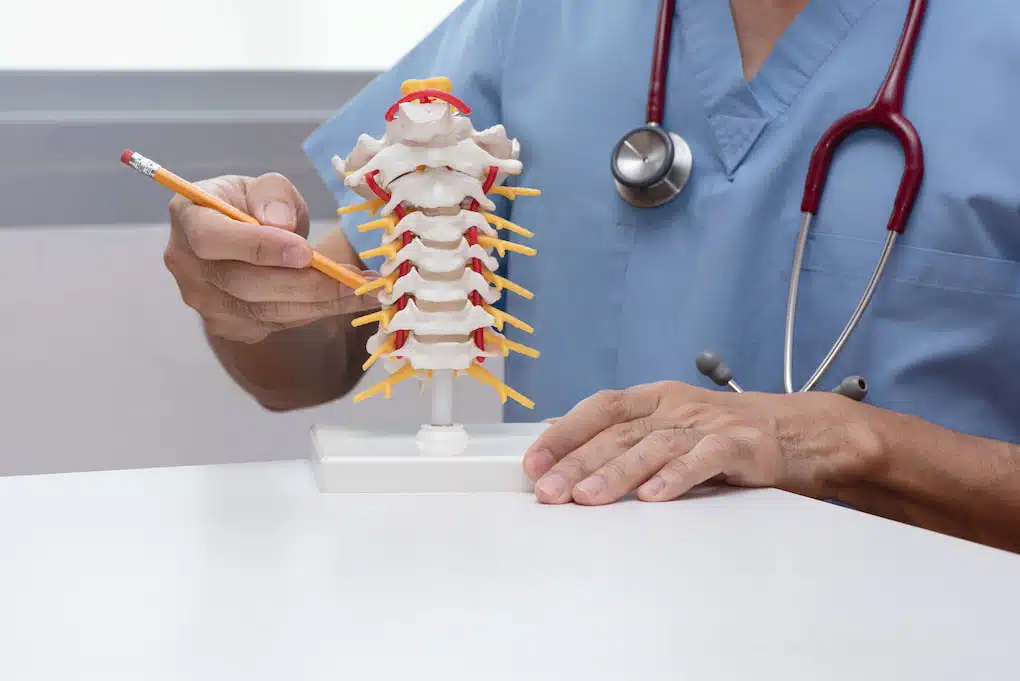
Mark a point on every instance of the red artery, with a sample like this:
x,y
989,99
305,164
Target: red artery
x,y
472,238
406,238
490,180
391,113
476,298
405,269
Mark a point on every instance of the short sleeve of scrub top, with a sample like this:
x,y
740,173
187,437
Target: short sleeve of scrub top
x,y
466,47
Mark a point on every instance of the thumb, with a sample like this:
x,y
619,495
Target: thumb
x,y
274,201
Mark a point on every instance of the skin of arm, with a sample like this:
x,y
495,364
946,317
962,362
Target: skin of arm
x,y
939,479
304,366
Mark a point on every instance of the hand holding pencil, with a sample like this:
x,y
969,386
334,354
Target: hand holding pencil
x,y
248,277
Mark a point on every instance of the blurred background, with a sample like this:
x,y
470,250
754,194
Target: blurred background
x,y
101,364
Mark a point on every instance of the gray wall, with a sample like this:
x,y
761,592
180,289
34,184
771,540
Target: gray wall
x,y
101,365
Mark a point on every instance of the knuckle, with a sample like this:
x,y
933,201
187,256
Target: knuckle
x,y
217,275
192,298
276,177
576,467
271,311
171,259
615,471
692,412
281,313
676,470
663,439
176,206
261,251
630,433
647,461
609,402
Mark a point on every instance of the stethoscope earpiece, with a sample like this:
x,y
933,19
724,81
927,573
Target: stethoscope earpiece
x,y
711,365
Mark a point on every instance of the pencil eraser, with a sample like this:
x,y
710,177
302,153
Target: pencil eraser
x,y
126,156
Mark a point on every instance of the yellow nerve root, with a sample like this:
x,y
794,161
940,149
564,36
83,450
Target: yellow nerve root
x,y
503,318
503,246
477,372
389,223
505,346
501,283
372,207
385,348
382,316
382,282
513,192
500,223
390,250
405,372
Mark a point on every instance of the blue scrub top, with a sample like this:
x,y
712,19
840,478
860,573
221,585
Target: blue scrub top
x,y
627,295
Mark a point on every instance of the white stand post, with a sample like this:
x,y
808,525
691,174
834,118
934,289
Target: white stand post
x,y
442,437
442,398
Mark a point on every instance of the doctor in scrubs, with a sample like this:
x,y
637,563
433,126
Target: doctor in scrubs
x,y
628,297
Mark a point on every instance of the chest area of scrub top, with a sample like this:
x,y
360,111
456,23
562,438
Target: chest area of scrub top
x,y
577,79
720,254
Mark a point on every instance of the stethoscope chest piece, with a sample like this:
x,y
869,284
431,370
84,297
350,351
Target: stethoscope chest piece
x,y
651,166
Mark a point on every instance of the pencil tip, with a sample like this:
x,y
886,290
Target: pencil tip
x,y
126,156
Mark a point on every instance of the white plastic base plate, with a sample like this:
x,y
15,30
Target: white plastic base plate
x,y
352,460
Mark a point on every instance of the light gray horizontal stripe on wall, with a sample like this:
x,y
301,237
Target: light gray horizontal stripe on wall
x,y
61,135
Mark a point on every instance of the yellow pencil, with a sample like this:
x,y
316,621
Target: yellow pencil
x,y
181,186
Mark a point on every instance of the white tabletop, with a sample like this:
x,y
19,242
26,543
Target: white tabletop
x,y
247,572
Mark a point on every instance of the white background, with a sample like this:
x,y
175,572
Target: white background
x,y
214,34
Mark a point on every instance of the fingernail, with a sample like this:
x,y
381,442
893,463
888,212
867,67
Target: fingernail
x,y
551,488
591,487
652,487
536,463
296,256
278,214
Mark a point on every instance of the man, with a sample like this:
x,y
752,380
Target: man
x,y
628,297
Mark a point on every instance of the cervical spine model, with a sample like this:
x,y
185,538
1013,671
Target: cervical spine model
x,y
429,179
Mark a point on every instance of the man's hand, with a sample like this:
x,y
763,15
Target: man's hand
x,y
247,281
663,439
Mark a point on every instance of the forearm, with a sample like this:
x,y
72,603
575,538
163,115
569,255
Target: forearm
x,y
932,477
300,367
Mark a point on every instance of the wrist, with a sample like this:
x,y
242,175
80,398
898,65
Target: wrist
x,y
833,443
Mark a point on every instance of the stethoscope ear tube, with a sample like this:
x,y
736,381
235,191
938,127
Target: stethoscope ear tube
x,y
711,366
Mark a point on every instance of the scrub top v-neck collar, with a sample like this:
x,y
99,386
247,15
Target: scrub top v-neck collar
x,y
738,111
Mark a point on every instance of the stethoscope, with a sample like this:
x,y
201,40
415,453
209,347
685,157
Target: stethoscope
x,y
651,166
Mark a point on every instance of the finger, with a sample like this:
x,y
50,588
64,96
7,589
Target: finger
x,y
278,315
273,200
237,330
210,235
556,486
624,473
707,459
215,237
257,284
590,417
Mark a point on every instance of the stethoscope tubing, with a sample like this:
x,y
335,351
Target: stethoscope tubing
x,y
884,112
660,63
